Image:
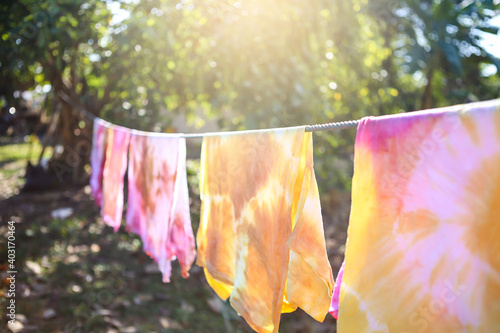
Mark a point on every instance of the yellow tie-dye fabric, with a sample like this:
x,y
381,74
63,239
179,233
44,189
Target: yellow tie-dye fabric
x,y
423,250
261,239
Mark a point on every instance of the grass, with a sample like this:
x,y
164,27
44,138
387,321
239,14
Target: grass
x,y
14,156
96,280
20,151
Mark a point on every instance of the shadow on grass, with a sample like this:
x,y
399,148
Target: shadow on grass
x,y
77,275
97,280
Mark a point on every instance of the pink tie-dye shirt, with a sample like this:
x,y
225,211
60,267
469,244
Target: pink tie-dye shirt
x,y
114,171
97,158
158,200
423,249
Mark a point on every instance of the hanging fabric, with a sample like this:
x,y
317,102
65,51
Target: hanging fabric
x,y
261,239
158,200
334,307
424,236
115,166
97,158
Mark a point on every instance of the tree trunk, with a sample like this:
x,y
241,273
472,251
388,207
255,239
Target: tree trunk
x,y
69,164
72,140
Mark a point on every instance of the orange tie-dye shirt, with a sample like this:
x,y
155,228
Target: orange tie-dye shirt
x,y
261,239
423,250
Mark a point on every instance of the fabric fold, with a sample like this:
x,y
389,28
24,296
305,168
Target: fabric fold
x,y
158,200
261,241
424,232
115,166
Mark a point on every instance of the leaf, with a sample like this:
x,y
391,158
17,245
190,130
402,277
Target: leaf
x,y
419,57
451,54
491,29
495,60
42,41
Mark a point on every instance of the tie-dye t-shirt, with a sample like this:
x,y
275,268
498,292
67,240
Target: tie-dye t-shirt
x,y
97,158
261,239
114,171
423,249
158,200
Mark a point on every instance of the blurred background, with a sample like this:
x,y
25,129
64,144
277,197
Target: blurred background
x,y
197,66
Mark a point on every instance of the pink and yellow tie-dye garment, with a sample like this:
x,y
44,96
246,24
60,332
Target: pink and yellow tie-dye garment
x,y
261,239
423,250
115,166
158,200
97,158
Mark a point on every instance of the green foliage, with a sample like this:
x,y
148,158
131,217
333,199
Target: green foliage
x,y
442,43
252,64
49,42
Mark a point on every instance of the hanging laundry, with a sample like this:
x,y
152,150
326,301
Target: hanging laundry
x,y
424,237
334,307
158,200
115,166
261,239
97,158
